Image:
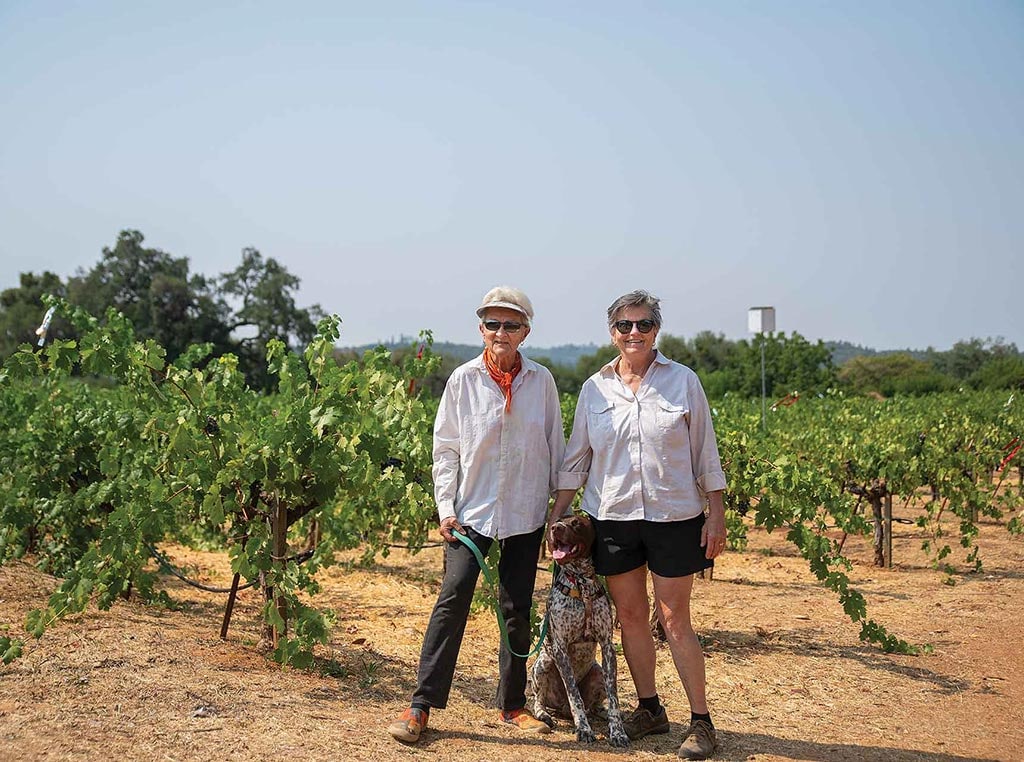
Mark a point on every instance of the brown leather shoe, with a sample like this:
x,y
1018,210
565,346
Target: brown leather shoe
x,y
523,720
410,725
700,741
640,722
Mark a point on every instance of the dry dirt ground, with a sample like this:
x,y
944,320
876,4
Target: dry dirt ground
x,y
788,678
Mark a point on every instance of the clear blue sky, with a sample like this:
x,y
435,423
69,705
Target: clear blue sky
x,y
858,165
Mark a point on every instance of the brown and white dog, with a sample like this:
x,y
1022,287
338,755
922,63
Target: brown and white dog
x,y
565,679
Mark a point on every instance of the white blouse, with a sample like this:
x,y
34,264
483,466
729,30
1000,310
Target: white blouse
x,y
650,455
496,471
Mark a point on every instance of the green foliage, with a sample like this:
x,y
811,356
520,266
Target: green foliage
x,y
569,380
999,373
822,452
890,374
728,367
21,311
10,649
156,292
265,294
92,477
238,312
968,357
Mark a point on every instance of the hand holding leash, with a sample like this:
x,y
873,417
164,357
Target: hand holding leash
x,y
449,525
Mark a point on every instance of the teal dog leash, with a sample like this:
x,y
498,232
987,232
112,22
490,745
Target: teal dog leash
x,y
489,576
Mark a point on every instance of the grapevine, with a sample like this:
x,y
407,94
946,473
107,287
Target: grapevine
x,y
173,446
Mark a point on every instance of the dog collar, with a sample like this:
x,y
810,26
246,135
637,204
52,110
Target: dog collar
x,y
573,591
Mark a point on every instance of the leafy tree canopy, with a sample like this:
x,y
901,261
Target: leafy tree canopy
x,y
239,312
890,374
263,293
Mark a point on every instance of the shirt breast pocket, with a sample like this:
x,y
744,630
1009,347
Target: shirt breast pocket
x,y
600,424
672,421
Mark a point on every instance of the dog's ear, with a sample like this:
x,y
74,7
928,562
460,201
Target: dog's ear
x,y
587,531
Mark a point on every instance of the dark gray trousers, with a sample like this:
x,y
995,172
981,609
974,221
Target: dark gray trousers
x,y
517,572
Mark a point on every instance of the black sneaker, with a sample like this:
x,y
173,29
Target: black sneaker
x,y
640,722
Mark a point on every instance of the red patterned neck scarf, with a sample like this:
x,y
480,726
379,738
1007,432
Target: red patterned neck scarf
x,y
503,379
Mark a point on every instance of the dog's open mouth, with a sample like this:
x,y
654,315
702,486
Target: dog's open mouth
x,y
562,551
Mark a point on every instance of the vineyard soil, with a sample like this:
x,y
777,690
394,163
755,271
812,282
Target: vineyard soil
x,y
788,678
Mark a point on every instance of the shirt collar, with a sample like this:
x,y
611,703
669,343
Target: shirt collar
x,y
608,369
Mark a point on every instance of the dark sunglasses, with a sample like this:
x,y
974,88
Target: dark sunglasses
x,y
625,326
509,326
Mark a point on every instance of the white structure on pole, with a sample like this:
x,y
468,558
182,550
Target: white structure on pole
x,y
762,320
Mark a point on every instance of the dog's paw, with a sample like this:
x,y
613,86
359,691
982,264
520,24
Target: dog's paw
x,y
585,735
617,737
544,717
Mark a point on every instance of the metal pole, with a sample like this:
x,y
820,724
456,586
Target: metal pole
x,y
764,411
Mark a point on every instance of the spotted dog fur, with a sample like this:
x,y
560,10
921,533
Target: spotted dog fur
x,y
579,619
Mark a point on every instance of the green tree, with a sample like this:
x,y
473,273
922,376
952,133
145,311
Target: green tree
x,y
967,357
715,358
155,291
791,364
569,380
999,373
21,311
889,374
263,292
705,353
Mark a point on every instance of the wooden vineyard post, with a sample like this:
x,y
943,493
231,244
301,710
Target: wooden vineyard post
x,y
878,536
230,607
887,531
232,595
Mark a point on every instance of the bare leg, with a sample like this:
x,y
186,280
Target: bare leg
x,y
673,594
629,592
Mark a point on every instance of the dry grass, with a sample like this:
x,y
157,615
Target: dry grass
x,y
788,679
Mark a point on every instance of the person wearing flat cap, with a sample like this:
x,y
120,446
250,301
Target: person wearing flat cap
x,y
498,445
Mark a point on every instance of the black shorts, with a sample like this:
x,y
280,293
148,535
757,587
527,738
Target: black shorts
x,y
668,548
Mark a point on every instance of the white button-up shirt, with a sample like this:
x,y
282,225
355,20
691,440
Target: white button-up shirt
x,y
496,471
650,455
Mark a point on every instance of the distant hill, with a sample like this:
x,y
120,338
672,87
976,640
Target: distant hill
x,y
563,354
566,355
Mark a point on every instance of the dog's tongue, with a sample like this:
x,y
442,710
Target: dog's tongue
x,y
562,551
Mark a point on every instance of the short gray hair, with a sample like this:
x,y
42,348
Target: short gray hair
x,y
636,299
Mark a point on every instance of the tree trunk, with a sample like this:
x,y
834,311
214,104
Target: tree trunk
x,y
281,559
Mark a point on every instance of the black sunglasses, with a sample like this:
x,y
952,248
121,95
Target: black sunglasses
x,y
508,325
625,326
